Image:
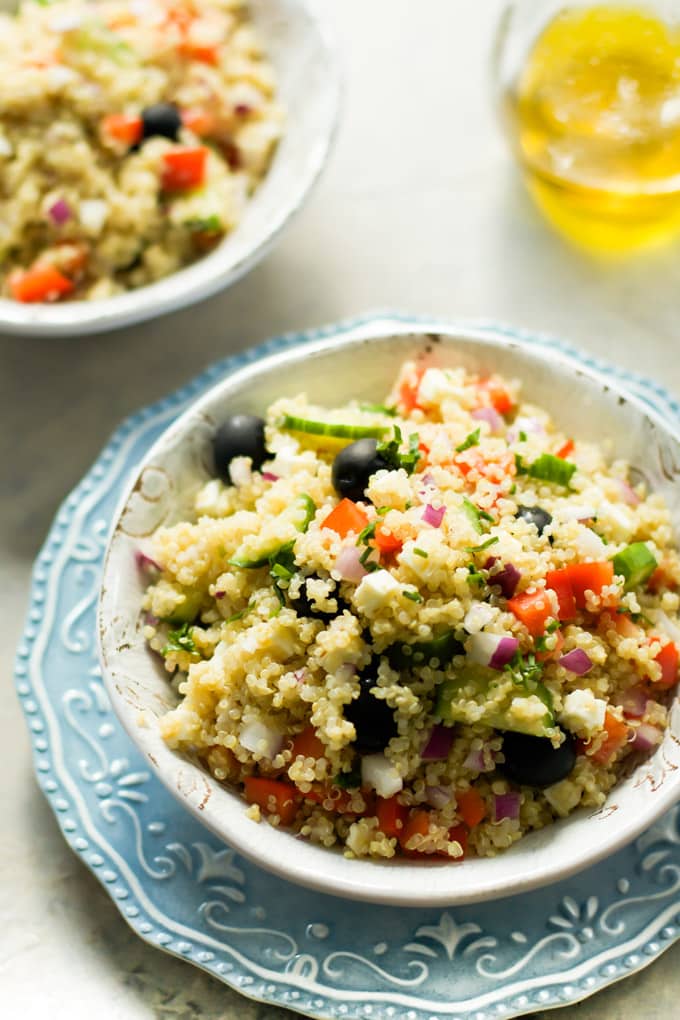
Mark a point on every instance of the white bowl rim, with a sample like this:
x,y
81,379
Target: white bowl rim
x,y
206,276
288,857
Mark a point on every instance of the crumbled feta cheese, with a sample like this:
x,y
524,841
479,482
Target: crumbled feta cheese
x,y
93,213
375,591
589,545
240,471
5,147
478,616
583,712
378,772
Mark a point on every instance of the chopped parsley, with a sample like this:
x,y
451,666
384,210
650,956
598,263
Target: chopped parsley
x,y
414,596
474,576
476,515
180,640
239,616
420,552
522,437
205,224
366,534
390,452
471,440
526,673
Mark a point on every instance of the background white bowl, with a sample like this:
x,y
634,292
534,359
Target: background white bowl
x,y
309,86
361,364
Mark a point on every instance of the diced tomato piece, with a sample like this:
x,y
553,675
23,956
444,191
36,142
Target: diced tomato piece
x,y
307,744
565,450
589,577
471,807
417,824
494,392
41,283
408,390
533,609
273,797
459,834
559,581
346,518
184,168
661,578
386,543
198,120
391,816
552,653
617,736
621,623
668,660
125,128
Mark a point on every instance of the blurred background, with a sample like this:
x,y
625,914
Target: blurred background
x,y
422,208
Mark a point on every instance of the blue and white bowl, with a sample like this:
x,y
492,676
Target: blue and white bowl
x,y
360,363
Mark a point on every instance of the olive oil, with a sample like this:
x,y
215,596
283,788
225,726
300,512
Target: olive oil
x,y
596,115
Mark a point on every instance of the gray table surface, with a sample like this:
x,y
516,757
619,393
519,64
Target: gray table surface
x,y
420,209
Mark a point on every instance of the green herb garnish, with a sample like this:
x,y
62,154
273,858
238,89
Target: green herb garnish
x,y
205,224
180,640
414,596
476,515
484,545
395,459
522,437
348,780
420,552
471,440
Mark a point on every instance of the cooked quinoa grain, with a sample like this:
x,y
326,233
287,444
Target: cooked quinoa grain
x,y
131,136
423,628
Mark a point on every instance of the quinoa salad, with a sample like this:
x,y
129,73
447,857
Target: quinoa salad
x,y
131,137
421,628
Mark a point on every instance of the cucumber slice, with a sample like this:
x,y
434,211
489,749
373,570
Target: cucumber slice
x,y
635,564
334,430
482,695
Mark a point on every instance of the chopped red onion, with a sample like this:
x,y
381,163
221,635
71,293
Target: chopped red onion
x,y
634,702
60,211
261,739
490,415
269,476
145,562
494,650
438,743
646,737
629,494
434,515
348,566
242,109
427,479
507,579
577,661
506,805
220,594
300,675
151,620
476,761
438,796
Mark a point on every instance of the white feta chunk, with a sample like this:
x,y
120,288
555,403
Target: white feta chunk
x,y
583,713
377,771
375,591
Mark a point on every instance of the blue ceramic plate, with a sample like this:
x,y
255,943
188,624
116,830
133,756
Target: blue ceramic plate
x,y
184,891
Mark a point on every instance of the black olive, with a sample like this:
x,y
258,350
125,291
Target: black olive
x,y
303,605
161,119
535,515
241,435
354,465
533,761
373,718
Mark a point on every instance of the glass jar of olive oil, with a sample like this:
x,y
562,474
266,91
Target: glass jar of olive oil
x,y
591,96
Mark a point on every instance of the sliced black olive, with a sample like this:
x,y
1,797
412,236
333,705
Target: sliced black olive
x,y
353,467
241,435
535,515
533,761
373,718
304,606
161,119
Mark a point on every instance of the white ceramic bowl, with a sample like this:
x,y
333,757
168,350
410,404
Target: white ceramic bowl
x,y
309,85
361,363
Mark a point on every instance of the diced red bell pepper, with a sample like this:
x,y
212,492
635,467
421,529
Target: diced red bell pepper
x,y
307,744
668,660
533,609
198,120
589,577
346,518
621,623
417,824
386,542
617,736
495,393
559,581
41,283
459,834
204,54
391,815
273,797
471,807
408,390
661,578
124,127
565,450
184,168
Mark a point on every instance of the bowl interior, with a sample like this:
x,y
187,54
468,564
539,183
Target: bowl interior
x,y
308,85
361,363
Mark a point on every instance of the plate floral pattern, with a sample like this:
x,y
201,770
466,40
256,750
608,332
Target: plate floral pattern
x,y
184,891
